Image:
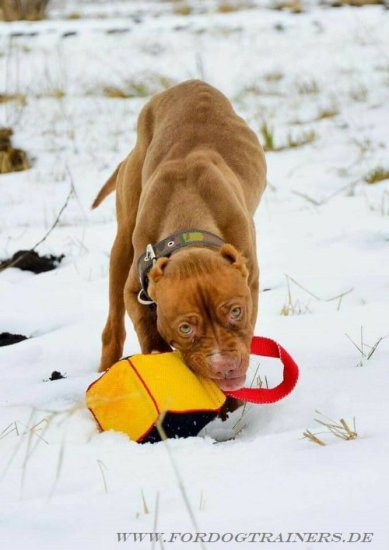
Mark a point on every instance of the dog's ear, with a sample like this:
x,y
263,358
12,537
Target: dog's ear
x,y
155,274
236,259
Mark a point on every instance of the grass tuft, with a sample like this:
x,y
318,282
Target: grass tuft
x,y
365,354
376,175
139,88
327,112
299,141
293,6
267,134
57,93
339,429
17,10
20,98
273,76
359,93
184,9
11,159
293,307
74,15
308,87
292,142
114,91
228,7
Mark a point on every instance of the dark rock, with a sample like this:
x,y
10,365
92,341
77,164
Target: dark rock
x,y
29,260
7,339
69,33
56,375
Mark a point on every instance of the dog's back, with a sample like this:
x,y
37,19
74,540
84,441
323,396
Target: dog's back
x,y
192,116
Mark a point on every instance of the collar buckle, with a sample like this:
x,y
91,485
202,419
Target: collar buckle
x,y
150,254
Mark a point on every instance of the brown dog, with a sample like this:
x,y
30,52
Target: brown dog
x,y
192,181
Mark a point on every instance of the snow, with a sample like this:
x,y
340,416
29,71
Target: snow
x,y
64,485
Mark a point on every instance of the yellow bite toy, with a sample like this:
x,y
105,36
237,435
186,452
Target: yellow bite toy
x,y
136,392
133,393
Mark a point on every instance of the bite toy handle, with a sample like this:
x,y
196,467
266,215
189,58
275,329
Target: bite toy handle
x,y
269,348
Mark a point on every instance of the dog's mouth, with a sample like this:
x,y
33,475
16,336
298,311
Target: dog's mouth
x,y
230,384
227,379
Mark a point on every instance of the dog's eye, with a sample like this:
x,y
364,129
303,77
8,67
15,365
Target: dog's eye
x,y
235,312
185,329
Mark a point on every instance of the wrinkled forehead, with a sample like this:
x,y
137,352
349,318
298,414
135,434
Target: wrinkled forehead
x,y
196,293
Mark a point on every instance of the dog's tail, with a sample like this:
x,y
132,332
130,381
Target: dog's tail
x,y
107,188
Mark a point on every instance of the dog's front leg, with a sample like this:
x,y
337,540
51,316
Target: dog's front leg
x,y
144,319
114,332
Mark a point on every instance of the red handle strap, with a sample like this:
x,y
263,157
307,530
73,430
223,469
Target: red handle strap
x,y
269,348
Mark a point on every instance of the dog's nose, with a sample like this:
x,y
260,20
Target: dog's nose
x,y
224,364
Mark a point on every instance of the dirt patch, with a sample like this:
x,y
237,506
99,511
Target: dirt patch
x,y
11,159
7,339
29,260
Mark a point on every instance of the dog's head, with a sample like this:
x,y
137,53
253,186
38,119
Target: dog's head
x,y
204,310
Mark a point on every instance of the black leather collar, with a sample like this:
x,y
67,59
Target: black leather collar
x,y
165,248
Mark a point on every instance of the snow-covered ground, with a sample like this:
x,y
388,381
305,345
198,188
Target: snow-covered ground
x,y
320,76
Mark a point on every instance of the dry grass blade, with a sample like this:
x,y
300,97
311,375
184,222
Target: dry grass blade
x,y
181,486
239,424
374,347
13,427
307,197
339,429
356,345
26,458
351,434
337,297
312,437
34,430
58,469
201,504
261,383
155,524
365,356
349,188
103,467
145,507
68,414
